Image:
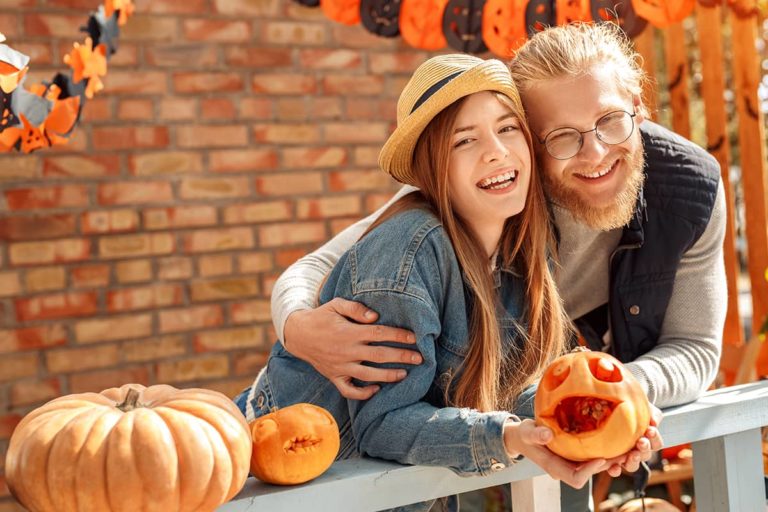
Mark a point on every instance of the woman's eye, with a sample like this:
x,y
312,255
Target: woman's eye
x,y
462,142
509,128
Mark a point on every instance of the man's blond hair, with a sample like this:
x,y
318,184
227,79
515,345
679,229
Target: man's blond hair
x,y
572,50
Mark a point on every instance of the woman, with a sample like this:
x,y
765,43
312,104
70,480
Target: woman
x,y
486,325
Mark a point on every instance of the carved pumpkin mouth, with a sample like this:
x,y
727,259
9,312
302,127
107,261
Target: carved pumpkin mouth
x,y
303,444
580,414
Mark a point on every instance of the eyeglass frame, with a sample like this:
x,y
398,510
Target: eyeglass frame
x,y
543,141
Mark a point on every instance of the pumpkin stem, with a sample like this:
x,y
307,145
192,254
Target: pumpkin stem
x,y
580,349
131,401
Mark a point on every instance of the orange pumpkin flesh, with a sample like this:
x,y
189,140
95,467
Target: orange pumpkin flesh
x,y
293,445
594,406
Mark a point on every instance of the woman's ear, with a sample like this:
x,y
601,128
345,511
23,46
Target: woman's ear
x,y
637,103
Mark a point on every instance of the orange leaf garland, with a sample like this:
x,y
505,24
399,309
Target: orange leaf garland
x,y
88,62
421,23
125,7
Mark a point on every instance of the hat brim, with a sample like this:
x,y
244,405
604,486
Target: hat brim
x,y
397,153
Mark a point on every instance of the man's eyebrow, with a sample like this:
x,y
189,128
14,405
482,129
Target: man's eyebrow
x,y
472,127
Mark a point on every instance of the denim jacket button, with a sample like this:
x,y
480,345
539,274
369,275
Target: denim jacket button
x,y
496,465
260,401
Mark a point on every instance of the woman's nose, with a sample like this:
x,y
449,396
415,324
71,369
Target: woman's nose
x,y
496,150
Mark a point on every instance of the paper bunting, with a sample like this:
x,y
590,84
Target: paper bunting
x,y
45,114
463,25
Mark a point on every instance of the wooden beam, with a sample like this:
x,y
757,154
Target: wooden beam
x,y
677,77
644,45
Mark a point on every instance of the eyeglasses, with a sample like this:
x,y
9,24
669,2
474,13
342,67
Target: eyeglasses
x,y
612,128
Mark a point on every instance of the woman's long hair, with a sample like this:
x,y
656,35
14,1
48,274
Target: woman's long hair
x,y
492,374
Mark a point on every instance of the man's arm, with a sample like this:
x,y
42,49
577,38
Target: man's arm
x,y
305,329
686,359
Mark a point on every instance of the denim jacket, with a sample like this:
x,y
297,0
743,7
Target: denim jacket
x,y
407,271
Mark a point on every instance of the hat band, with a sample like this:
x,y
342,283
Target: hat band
x,y
433,89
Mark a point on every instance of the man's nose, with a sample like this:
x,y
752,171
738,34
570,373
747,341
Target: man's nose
x,y
592,148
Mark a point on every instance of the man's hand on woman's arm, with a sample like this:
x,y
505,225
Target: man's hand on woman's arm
x,y
336,338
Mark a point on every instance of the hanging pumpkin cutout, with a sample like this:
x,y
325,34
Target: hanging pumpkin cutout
x,y
31,137
125,7
632,24
504,26
342,11
463,25
62,119
103,30
568,11
421,23
538,16
662,13
380,17
88,62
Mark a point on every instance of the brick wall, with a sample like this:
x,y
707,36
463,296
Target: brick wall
x,y
232,137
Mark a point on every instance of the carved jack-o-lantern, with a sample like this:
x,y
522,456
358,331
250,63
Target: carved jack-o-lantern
x,y
462,25
380,17
293,445
342,11
662,13
538,16
504,26
421,23
568,11
594,406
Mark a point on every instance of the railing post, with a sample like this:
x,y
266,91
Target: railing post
x,y
728,473
537,494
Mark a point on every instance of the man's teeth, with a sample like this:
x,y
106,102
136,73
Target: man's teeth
x,y
499,181
599,172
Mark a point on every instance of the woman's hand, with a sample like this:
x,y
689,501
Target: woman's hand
x,y
334,339
644,447
530,440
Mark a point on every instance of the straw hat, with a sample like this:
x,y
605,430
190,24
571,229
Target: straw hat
x,y
436,84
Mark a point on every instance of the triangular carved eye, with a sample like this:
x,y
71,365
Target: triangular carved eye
x,y
604,370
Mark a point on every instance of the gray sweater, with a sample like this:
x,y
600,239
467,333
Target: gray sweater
x,y
677,370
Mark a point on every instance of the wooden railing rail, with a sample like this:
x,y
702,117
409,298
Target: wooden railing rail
x,y
723,427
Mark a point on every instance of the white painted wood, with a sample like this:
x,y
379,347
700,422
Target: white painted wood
x,y
537,494
728,473
362,485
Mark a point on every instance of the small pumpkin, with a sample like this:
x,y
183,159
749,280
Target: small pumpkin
x,y
594,406
130,448
293,445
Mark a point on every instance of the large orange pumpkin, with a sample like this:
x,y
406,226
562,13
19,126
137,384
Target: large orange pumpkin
x,y
293,445
128,449
594,406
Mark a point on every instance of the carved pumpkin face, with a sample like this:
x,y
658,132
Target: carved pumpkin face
x,y
463,25
568,11
293,445
504,26
421,23
380,17
594,406
662,13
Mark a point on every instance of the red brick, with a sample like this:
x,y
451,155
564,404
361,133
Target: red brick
x,y
255,108
175,267
52,25
314,157
214,265
283,84
250,363
134,192
366,109
287,133
109,221
255,8
113,328
263,211
287,257
159,347
327,207
144,27
200,136
349,133
59,305
339,225
8,423
189,319
223,289
179,217
236,160
104,379
133,271
125,137
136,109
127,246
45,279
217,108
19,168
177,109
207,367
54,251
350,36
258,57
39,53
229,339
330,59
295,33
269,284
128,56
367,156
385,63
228,387
82,166
250,311
10,284
278,235
17,366
213,188
32,338
207,82
133,83
359,85
172,6
74,359
144,297
181,55
98,109
30,392
290,184
251,263
219,31
166,162
359,181
36,227
226,239
90,276
65,196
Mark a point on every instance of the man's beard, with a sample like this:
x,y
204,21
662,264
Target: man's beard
x,y
603,218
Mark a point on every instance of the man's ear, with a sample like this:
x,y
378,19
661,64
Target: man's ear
x,y
637,102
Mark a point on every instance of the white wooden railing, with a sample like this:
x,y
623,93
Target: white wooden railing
x,y
723,427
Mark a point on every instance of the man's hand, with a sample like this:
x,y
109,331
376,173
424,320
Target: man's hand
x,y
644,448
335,340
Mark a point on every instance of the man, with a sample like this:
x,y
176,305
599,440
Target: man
x,y
640,214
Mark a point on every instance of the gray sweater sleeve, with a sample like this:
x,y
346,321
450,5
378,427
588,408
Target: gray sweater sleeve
x,y
297,288
686,359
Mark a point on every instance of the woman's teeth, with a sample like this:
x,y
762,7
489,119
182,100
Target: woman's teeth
x,y
497,182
